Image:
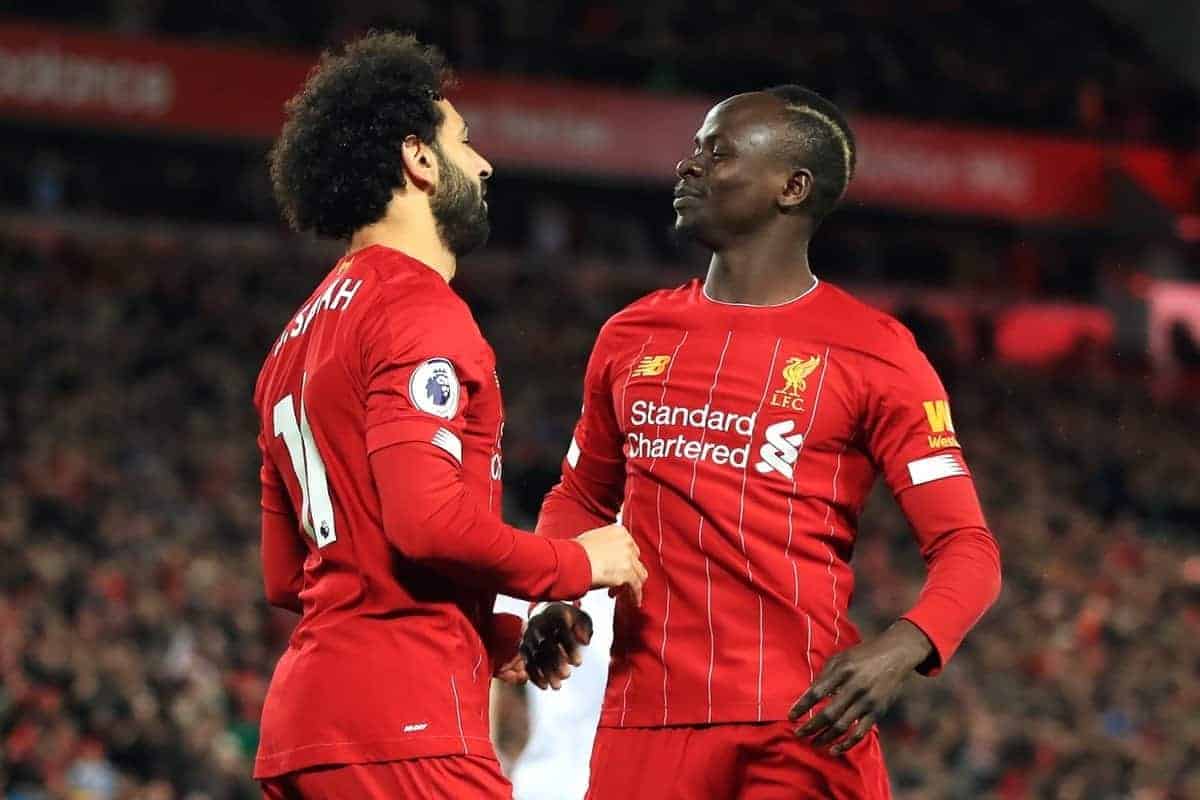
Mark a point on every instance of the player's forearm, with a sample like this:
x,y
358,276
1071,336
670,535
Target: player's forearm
x,y
283,560
962,583
431,518
566,511
962,562
461,535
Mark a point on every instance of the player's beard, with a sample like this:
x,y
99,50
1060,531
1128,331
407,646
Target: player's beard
x,y
458,210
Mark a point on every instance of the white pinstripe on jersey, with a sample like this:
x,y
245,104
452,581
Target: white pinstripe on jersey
x,y
711,390
662,654
712,639
812,418
626,507
808,658
760,656
741,514
787,549
837,631
458,715
745,469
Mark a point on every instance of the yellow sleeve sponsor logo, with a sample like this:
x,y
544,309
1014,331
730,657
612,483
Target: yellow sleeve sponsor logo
x,y
940,441
937,412
650,366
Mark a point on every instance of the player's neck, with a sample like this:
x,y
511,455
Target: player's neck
x,y
759,276
416,238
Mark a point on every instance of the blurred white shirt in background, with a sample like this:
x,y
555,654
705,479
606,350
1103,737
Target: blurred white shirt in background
x,y
562,724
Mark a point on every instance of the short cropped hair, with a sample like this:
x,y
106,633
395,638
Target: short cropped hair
x,y
821,141
338,158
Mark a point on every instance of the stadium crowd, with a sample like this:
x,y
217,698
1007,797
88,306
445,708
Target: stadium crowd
x,y
135,644
952,59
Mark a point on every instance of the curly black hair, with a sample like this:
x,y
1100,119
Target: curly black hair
x,y
822,141
337,159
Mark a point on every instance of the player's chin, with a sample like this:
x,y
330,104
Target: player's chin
x,y
689,225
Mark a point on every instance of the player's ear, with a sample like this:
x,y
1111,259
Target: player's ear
x,y
420,163
796,191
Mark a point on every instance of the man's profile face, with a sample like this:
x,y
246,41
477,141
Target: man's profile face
x,y
458,204
729,185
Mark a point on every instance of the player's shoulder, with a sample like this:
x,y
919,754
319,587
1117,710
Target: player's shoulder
x,y
651,310
865,328
402,282
410,297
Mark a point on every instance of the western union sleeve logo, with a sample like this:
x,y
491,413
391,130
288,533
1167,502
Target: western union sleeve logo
x,y
650,366
937,412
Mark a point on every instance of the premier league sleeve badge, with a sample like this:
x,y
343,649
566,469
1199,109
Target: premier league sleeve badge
x,y
433,388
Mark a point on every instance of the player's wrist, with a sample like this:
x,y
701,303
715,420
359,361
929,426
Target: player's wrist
x,y
910,642
574,569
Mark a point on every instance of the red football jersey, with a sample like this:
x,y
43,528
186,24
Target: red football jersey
x,y
740,444
389,659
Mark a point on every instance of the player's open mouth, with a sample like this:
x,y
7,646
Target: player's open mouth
x,y
684,200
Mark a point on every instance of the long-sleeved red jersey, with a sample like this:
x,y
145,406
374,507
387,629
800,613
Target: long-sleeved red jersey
x,y
381,420
739,444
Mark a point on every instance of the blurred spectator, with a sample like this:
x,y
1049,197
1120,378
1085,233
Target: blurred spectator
x,y
951,59
135,644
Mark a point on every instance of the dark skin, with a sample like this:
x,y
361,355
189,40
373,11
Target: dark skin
x,y
551,644
738,196
742,197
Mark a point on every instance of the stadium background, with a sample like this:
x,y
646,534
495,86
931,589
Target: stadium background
x,y
1028,202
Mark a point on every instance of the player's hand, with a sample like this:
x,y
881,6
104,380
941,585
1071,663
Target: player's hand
x,y
615,561
512,671
862,683
552,643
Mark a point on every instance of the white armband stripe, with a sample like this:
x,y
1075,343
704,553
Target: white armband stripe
x,y
448,442
934,468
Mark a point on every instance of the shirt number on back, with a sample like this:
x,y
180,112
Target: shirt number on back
x,y
316,512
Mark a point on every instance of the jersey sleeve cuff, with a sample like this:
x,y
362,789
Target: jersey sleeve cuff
x,y
574,569
944,646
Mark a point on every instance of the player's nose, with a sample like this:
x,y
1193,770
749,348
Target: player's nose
x,y
687,167
485,168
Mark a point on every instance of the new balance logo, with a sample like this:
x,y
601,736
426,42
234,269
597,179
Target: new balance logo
x,y
650,366
781,449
